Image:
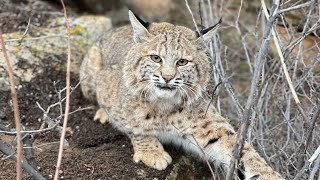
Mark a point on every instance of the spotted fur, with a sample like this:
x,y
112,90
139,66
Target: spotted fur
x,y
162,101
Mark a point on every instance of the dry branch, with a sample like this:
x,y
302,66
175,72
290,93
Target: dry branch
x,y
65,121
295,7
307,139
205,157
315,169
15,106
27,167
27,143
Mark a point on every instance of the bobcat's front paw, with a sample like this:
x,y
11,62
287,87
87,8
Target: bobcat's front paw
x,y
157,159
101,115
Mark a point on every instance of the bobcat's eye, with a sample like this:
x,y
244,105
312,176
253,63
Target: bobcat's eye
x,y
156,58
182,62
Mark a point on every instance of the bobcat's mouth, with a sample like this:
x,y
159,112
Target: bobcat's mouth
x,y
166,87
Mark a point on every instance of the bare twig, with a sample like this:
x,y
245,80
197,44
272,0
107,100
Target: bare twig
x,y
15,107
26,31
301,172
65,121
315,169
295,7
31,131
284,66
290,47
306,141
314,157
36,38
27,142
206,158
315,154
193,19
242,38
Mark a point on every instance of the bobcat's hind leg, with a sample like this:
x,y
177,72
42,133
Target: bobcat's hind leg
x,y
101,115
150,151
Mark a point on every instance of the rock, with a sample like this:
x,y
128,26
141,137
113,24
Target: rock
x,y
173,11
151,9
48,45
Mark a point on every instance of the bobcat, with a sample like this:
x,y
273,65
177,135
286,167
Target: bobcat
x,y
150,81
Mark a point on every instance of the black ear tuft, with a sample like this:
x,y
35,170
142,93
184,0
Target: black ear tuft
x,y
144,23
204,31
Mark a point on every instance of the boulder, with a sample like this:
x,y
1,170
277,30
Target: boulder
x,y
28,54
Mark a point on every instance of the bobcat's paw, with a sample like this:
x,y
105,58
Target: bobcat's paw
x,y
101,115
157,159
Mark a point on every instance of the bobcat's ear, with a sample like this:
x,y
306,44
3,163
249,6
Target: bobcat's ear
x,y
207,34
140,32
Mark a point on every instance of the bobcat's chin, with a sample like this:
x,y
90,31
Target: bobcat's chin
x,y
165,92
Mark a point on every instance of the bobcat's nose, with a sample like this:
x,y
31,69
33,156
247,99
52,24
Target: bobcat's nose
x,y
167,78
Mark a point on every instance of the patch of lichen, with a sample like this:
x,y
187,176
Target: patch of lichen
x,y
78,30
14,35
56,21
35,51
16,48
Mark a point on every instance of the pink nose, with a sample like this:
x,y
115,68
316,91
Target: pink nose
x,y
167,78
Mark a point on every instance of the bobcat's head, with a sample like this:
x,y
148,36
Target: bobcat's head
x,y
167,62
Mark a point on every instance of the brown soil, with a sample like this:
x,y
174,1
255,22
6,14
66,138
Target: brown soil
x,y
15,14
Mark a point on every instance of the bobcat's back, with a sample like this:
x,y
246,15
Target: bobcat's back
x,y
108,53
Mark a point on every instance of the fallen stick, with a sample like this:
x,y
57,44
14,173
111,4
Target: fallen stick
x,y
29,169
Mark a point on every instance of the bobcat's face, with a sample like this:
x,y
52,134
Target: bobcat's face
x,y
166,63
170,68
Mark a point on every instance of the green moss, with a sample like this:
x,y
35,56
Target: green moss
x,y
78,30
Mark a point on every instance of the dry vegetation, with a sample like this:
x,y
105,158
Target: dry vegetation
x,y
279,112
278,104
